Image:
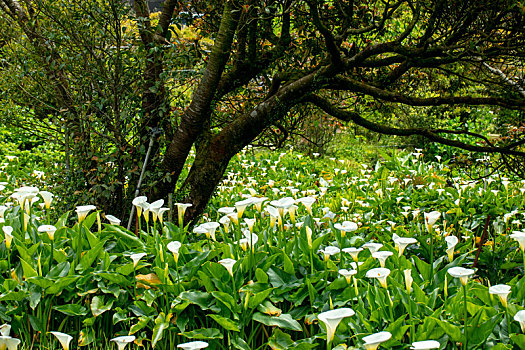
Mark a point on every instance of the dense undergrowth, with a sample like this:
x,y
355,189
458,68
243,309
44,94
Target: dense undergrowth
x,y
285,239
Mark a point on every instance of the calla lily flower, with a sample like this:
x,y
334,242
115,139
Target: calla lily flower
x,y
210,228
160,214
451,244
425,345
137,202
380,273
328,251
347,274
155,207
382,255
274,215
354,252
8,233
431,218
520,317
283,204
402,242
309,236
346,226
372,247
228,264
113,220
194,345
462,273
258,201
251,238
519,236
123,341
136,258
63,338
502,291
5,329
331,320
49,229
242,205
250,223
9,343
373,341
225,221
47,197
83,211
174,248
307,202
226,210
408,280
181,210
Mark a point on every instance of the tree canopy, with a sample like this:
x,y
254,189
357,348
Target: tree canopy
x,y
103,75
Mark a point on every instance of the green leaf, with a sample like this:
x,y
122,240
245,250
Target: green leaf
x,y
280,340
454,332
284,321
60,284
203,334
59,270
226,299
29,271
115,278
288,264
258,298
98,307
89,257
226,323
13,296
40,281
143,322
161,324
519,340
122,235
71,309
202,299
261,276
36,323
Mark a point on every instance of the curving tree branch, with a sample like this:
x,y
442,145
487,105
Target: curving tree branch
x,y
431,134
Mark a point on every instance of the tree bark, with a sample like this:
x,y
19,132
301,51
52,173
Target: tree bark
x,y
197,114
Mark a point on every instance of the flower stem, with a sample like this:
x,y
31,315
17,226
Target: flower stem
x,y
431,277
465,315
509,330
412,326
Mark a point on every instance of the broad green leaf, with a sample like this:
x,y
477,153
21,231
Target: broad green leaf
x,y
203,334
284,321
115,278
288,264
226,323
280,340
71,309
454,332
41,281
226,299
98,307
29,271
261,276
122,235
14,296
89,257
161,324
86,337
60,284
143,322
258,298
36,323
204,300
